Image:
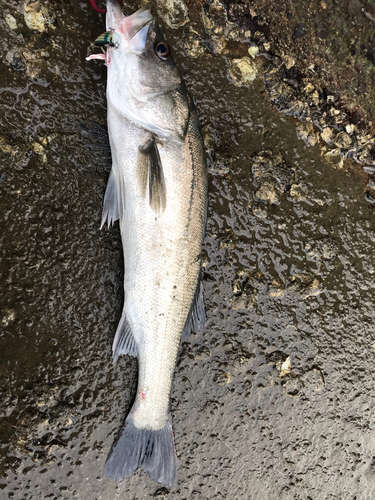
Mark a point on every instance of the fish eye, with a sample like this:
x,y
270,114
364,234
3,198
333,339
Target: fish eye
x,y
162,50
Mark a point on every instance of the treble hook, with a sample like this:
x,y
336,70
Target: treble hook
x,y
98,9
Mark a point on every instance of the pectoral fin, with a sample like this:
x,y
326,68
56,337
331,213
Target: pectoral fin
x,y
123,342
150,169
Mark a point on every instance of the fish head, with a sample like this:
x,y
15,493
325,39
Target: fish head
x,y
140,58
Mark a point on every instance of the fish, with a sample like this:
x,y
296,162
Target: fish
x,y
157,189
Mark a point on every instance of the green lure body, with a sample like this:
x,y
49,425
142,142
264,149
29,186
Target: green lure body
x,y
107,38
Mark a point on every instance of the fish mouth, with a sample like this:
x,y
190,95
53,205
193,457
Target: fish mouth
x,y
137,21
126,26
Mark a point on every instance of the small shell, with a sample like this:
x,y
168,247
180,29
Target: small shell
x,y
342,140
272,176
305,131
370,198
327,135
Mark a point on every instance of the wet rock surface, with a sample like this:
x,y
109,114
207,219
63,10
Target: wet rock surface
x,y
274,400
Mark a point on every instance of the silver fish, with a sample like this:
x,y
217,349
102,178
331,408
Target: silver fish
x,y
158,190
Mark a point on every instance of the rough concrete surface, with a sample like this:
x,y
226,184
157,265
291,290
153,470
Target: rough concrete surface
x,y
274,400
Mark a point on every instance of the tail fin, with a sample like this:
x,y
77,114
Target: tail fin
x,y
153,451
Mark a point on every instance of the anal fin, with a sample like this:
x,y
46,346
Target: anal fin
x,y
197,315
124,342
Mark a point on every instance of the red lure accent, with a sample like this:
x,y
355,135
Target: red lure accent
x,y
98,9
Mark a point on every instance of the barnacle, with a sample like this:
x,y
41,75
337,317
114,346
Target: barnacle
x,y
282,95
305,131
342,140
307,104
272,176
